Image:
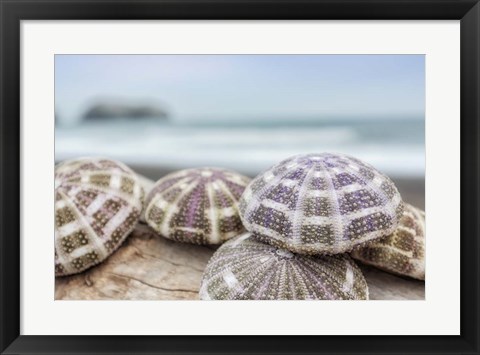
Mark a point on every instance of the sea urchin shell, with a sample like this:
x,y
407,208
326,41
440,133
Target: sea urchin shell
x,y
198,206
403,251
246,269
97,204
320,204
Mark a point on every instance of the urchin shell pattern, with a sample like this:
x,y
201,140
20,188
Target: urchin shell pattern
x,y
247,269
97,204
320,204
402,252
198,206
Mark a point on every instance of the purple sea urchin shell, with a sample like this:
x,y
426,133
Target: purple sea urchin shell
x,y
246,269
198,206
403,251
320,204
97,204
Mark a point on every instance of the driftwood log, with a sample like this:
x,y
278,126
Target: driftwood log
x,y
149,267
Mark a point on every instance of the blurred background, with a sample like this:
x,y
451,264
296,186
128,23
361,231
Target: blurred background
x,y
160,113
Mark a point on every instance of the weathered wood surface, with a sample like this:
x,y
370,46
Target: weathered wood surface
x,y
385,286
149,267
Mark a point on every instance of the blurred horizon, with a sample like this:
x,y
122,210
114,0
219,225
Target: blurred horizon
x,y
159,113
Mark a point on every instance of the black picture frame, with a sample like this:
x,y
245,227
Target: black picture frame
x,y
12,12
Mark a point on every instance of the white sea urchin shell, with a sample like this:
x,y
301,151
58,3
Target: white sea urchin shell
x,y
403,251
246,269
97,204
320,204
198,206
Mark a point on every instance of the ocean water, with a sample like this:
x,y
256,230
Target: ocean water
x,y
396,147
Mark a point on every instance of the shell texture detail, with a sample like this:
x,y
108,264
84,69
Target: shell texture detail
x,y
320,204
246,269
403,251
97,204
198,206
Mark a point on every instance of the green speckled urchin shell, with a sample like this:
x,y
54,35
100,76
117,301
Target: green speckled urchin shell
x,y
320,204
246,269
198,206
98,202
402,252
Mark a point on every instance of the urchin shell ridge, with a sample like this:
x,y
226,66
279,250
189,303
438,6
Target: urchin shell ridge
x,y
320,204
403,251
198,206
246,269
97,204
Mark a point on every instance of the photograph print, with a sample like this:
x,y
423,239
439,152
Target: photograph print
x,y
239,177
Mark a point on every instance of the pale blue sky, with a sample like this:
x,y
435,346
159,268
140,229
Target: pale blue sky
x,y
246,87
